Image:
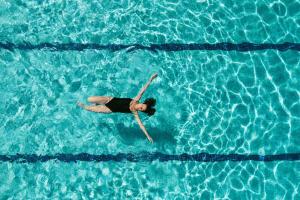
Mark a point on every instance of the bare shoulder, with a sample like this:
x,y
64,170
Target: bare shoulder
x,y
133,102
131,105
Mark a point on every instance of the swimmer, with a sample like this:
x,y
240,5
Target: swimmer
x,y
124,105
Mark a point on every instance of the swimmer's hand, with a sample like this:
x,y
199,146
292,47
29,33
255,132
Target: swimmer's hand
x,y
150,139
154,76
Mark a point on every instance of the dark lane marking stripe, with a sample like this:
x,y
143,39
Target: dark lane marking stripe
x,y
246,46
147,157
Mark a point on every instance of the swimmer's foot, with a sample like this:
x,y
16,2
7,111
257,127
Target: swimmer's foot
x,y
80,104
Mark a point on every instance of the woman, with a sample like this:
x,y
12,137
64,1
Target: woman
x,y
124,105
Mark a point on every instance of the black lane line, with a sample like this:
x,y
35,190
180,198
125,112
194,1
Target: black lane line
x,y
147,157
224,46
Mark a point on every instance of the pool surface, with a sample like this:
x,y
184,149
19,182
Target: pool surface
x,y
227,124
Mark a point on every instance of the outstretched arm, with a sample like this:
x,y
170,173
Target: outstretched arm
x,y
142,126
141,92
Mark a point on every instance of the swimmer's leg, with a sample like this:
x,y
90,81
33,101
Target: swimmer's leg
x,y
99,99
98,109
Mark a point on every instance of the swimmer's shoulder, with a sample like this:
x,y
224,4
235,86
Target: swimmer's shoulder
x,y
132,103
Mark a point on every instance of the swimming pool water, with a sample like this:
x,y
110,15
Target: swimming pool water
x,y
219,102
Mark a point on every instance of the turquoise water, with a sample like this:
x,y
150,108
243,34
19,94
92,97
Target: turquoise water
x,y
207,101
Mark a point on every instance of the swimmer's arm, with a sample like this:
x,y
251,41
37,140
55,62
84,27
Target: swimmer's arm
x,y
138,97
142,126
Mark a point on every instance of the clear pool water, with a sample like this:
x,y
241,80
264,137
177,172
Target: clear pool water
x,y
217,102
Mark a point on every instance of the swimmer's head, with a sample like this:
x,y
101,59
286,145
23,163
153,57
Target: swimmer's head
x,y
148,108
141,107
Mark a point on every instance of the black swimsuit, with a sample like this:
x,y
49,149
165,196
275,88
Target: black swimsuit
x,y
119,105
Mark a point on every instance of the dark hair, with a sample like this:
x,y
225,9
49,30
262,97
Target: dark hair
x,y
150,102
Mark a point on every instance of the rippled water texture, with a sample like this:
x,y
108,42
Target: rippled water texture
x,y
217,102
